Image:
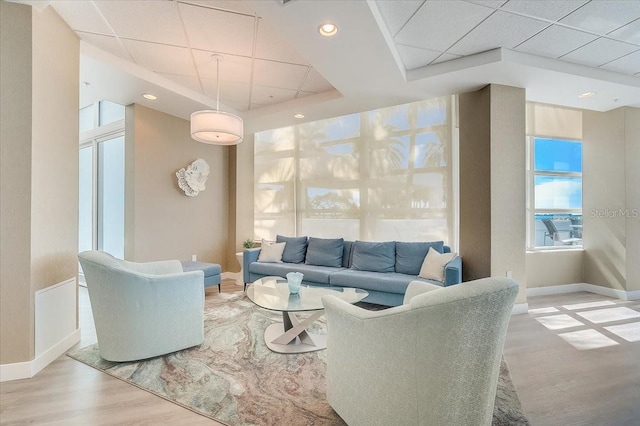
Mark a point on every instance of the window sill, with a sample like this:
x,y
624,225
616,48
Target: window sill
x,y
554,249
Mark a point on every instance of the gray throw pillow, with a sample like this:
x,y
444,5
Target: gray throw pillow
x,y
295,250
375,257
325,252
410,255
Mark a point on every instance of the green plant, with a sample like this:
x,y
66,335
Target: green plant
x,y
248,243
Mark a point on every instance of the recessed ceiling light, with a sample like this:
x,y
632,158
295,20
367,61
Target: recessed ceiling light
x,y
149,96
586,95
298,115
328,30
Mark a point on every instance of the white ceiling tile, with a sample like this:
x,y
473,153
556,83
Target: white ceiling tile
x,y
278,74
238,106
629,33
82,16
555,41
316,83
106,43
154,21
270,45
187,81
499,30
600,52
445,57
439,24
489,3
161,58
218,31
228,5
547,9
229,92
302,94
270,95
629,64
414,57
396,13
604,16
234,69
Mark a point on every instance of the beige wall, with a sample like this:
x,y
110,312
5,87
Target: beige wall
x,y
244,191
54,186
611,200
39,167
161,222
16,319
554,267
475,183
604,192
492,184
508,185
632,181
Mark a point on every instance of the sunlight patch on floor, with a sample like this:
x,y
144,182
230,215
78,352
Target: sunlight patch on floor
x,y
629,332
587,339
608,315
557,322
588,305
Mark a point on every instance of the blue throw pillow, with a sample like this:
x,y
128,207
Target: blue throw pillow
x,y
409,256
325,252
375,257
295,249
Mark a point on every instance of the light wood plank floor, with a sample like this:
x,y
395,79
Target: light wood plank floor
x,y
558,384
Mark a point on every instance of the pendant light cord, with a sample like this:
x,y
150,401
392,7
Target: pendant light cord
x,y
217,83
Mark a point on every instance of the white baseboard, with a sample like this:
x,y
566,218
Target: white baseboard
x,y
28,369
520,308
591,288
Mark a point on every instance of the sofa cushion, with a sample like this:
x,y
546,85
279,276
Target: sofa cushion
x,y
295,250
410,255
325,252
390,282
374,257
346,254
271,252
312,273
433,265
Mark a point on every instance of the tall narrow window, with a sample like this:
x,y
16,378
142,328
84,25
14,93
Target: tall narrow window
x,y
101,178
555,172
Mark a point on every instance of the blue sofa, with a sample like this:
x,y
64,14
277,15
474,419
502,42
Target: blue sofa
x,y
384,269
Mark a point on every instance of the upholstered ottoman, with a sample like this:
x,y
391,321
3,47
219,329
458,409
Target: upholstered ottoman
x,y
211,271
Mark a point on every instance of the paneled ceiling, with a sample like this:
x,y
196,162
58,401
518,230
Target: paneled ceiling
x,y
386,52
176,39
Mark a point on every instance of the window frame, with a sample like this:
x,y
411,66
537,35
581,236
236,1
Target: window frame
x,y
532,211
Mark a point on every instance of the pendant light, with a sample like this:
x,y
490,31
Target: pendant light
x,y
216,127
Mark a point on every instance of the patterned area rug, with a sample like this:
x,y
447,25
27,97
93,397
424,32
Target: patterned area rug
x,y
235,379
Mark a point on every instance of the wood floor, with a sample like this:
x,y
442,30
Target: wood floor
x,y
557,383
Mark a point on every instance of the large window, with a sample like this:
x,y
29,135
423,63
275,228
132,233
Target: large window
x,y
555,173
378,175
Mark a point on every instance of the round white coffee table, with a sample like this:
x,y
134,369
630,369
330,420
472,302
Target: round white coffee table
x,y
291,335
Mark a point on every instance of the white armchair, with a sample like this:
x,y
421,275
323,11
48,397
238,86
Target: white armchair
x,y
435,360
142,310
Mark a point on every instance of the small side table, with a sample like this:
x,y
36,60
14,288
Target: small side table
x,y
212,272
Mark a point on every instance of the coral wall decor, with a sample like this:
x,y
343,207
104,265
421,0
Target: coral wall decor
x,y
192,179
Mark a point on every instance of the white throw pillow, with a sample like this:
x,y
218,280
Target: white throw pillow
x,y
271,252
434,263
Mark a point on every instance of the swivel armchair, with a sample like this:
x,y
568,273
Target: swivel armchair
x,y
434,360
143,310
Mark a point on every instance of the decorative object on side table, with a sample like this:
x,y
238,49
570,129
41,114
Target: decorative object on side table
x,y
294,279
248,243
192,179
